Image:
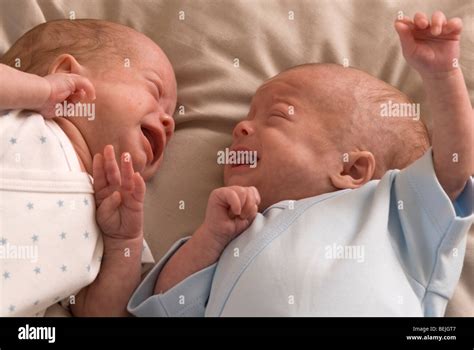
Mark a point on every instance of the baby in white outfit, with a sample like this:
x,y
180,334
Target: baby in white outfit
x,y
52,213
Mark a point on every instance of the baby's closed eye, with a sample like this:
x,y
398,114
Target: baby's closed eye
x,y
155,90
278,114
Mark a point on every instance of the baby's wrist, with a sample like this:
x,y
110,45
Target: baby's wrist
x,y
45,94
207,243
441,76
122,236
125,246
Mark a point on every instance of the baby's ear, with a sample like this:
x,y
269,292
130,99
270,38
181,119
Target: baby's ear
x,y
65,63
358,168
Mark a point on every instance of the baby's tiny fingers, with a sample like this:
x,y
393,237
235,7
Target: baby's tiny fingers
x,y
127,171
82,83
233,200
112,171
406,21
421,20
437,21
453,26
257,194
98,172
139,188
77,97
248,209
406,37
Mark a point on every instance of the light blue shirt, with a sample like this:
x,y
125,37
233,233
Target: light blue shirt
x,y
394,247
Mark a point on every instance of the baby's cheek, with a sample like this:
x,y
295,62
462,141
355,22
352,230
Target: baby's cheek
x,y
140,162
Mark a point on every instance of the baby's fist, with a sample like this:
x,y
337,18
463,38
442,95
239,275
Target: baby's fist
x,y
230,210
430,47
72,87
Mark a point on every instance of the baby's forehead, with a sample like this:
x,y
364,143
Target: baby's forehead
x,y
300,87
306,79
325,94
280,86
97,35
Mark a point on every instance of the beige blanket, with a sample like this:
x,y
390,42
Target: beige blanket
x,y
205,38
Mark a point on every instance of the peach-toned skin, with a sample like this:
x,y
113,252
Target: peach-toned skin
x,y
130,102
134,107
296,158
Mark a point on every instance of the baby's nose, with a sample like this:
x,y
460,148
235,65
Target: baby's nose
x,y
168,124
243,128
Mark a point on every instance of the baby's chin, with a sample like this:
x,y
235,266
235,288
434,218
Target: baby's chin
x,y
150,171
238,180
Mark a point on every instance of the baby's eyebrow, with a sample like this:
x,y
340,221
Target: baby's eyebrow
x,y
283,99
278,99
281,103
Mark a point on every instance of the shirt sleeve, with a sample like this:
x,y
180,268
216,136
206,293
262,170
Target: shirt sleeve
x,y
186,299
433,231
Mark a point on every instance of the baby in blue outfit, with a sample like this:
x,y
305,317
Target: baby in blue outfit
x,y
322,224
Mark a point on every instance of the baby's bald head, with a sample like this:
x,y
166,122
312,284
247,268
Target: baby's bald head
x,y
94,43
318,128
347,103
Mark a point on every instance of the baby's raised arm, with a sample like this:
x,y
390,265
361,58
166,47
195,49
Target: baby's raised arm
x,y
30,91
433,50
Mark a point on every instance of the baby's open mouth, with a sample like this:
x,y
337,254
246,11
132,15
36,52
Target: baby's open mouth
x,y
245,157
245,164
154,144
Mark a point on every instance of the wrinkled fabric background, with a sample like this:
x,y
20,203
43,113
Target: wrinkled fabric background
x,y
214,94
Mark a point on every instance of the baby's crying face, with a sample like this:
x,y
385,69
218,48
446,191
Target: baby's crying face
x,y
135,106
292,149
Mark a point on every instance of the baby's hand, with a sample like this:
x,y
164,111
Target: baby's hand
x,y
119,196
230,210
430,48
71,87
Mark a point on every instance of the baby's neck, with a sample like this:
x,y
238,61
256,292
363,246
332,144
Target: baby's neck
x,y
78,142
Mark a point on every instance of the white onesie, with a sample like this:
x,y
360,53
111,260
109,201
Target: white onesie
x,y
50,244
